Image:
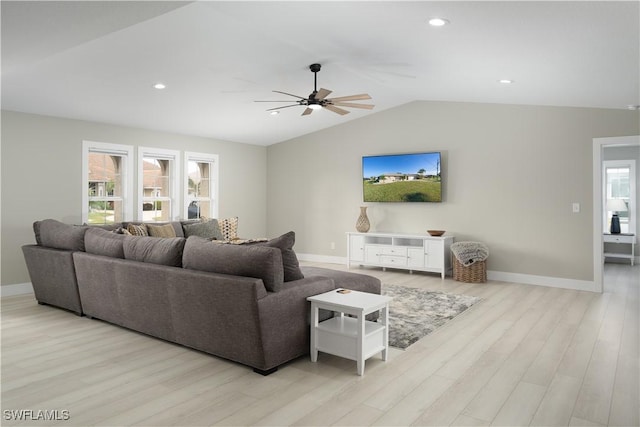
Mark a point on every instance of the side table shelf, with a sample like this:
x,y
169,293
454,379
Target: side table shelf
x,y
339,336
620,239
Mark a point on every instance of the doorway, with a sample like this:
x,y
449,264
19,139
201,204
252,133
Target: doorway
x,y
599,145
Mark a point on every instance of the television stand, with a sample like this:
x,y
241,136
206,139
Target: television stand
x,y
404,251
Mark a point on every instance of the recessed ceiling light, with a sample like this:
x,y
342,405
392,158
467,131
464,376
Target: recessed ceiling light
x,y
505,81
438,22
159,86
274,113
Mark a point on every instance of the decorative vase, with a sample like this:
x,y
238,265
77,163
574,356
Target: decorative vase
x,y
362,225
615,224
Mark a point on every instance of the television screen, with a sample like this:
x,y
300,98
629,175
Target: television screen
x,y
402,178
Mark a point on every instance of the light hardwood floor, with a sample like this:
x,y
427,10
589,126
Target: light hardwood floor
x,y
525,355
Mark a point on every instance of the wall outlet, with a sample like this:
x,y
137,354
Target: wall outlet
x,y
576,207
333,246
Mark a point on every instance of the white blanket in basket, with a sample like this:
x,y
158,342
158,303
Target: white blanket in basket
x,y
469,252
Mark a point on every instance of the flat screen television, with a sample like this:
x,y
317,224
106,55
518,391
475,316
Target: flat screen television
x,y
414,177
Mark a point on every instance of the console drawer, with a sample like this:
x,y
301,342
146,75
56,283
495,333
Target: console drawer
x,y
393,260
393,250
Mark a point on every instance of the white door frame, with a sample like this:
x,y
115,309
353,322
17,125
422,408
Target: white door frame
x,y
598,253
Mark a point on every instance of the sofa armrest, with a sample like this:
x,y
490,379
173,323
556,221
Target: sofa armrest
x,y
53,276
284,319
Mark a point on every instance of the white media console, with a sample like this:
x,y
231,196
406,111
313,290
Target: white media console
x,y
405,251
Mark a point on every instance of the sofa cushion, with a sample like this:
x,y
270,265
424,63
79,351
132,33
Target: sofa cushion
x,y
261,262
228,228
102,242
289,259
165,230
155,250
207,229
55,234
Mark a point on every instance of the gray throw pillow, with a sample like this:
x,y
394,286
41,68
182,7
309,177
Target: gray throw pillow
x,y
55,234
102,242
206,229
256,261
155,250
289,259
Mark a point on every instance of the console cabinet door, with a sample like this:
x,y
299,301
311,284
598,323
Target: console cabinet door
x,y
434,254
356,248
415,258
372,254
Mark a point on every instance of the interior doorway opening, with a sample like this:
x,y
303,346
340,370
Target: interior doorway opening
x,y
599,199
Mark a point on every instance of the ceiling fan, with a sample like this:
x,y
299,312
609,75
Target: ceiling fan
x,y
318,99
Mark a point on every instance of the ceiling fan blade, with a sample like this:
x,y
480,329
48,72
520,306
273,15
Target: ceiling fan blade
x,y
352,105
351,98
307,112
275,101
322,93
290,94
286,106
335,109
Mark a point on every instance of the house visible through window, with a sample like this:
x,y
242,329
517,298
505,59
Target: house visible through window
x,y
158,193
107,195
201,176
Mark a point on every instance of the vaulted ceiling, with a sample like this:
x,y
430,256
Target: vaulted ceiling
x,y
99,61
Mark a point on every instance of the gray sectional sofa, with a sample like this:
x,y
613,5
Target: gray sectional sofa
x,y
245,303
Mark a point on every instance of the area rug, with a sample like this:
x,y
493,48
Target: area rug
x,y
415,313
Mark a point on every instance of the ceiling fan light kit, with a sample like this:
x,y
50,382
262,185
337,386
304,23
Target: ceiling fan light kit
x,y
318,99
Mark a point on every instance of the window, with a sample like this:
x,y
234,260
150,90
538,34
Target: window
x,y
158,193
619,185
106,182
201,185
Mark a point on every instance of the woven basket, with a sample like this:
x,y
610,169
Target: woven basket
x,y
475,273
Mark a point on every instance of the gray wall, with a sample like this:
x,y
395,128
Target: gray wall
x,y
511,174
41,176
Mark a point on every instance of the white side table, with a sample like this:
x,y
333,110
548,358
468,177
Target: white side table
x,y
352,338
620,238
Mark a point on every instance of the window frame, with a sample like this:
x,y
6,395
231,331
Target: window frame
x,y
213,160
127,173
173,156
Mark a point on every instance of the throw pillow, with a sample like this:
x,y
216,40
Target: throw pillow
x,y
138,230
166,230
289,259
55,234
229,228
239,260
155,250
208,229
102,242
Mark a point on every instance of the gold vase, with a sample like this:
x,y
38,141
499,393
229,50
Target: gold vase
x,y
362,225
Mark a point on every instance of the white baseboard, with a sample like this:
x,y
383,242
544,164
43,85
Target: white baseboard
x,y
552,282
323,258
501,276
17,289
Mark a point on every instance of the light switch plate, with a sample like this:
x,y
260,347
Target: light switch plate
x,y
576,207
